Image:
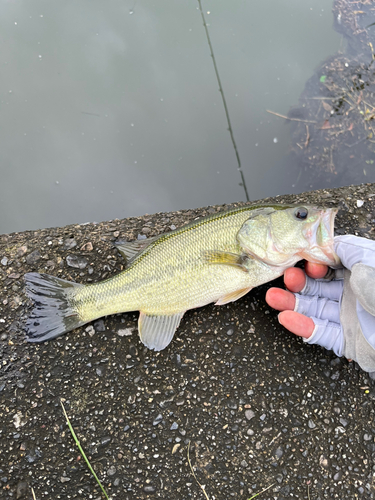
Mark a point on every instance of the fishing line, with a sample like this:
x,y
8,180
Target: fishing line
x,y
131,11
243,183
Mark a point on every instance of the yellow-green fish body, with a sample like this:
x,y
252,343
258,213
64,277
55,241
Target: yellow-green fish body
x,y
215,259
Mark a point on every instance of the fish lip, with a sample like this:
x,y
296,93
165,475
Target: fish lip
x,y
321,237
328,221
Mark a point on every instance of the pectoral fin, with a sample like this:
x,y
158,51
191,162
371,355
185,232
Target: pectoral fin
x,y
226,258
231,297
156,332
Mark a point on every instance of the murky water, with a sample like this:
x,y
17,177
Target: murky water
x,y
112,109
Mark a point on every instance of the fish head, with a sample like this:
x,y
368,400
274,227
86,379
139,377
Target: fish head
x,y
284,234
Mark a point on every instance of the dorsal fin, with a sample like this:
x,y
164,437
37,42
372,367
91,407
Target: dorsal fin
x,y
129,250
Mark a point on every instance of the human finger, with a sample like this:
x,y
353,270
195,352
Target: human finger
x,y
294,279
327,334
327,289
280,300
316,271
297,323
317,307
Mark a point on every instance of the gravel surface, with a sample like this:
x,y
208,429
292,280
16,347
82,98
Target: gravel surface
x,y
258,407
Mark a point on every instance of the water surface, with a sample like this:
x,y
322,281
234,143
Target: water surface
x,y
112,109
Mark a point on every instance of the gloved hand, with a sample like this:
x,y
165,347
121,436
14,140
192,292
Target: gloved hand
x,y
337,314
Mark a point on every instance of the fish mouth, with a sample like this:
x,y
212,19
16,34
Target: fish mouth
x,y
320,236
325,236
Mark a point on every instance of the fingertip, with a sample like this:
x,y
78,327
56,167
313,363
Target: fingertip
x,y
280,299
297,323
270,295
294,279
316,271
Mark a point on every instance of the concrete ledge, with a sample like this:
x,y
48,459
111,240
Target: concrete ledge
x,y
258,406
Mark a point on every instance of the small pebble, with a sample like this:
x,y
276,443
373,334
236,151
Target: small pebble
x,y
157,420
33,257
14,276
22,250
126,332
87,247
149,489
76,261
69,243
111,471
279,452
90,330
249,414
175,448
99,325
22,488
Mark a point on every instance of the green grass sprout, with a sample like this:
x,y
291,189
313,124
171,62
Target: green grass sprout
x,y
192,471
202,487
82,452
265,489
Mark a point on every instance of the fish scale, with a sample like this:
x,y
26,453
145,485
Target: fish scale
x,y
176,260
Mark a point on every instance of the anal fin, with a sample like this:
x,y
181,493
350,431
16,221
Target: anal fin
x,y
156,332
231,297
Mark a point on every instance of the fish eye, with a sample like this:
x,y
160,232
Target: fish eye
x,y
301,213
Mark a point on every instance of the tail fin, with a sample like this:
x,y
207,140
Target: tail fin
x,y
54,313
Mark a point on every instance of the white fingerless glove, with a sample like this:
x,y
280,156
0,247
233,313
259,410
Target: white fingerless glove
x,y
343,310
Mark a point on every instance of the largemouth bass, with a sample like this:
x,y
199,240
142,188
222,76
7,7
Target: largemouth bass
x,y
218,259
